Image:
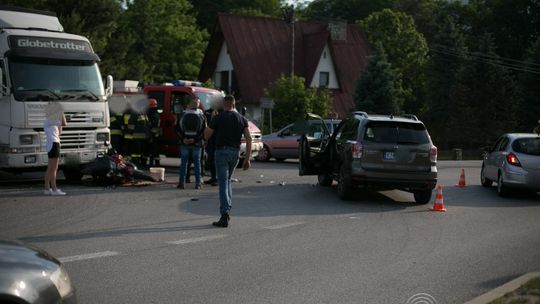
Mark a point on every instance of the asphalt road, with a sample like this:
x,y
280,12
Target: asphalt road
x,y
290,241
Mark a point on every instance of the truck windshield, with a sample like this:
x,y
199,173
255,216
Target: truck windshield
x,y
41,79
210,100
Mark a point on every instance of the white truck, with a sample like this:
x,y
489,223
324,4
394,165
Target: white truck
x,y
40,63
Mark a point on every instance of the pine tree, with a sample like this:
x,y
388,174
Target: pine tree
x,y
375,91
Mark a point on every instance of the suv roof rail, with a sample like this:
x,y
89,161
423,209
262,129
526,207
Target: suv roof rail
x,y
361,113
410,116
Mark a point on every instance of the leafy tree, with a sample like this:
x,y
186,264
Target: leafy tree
x,y
491,95
165,41
446,87
207,10
209,84
376,91
95,19
350,10
514,24
529,90
406,50
293,100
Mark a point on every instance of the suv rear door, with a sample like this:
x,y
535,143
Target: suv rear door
x,y
313,142
396,146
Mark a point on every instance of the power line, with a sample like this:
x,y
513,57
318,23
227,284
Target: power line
x,y
479,54
493,60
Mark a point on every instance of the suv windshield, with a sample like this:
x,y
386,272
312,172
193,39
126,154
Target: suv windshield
x,y
41,79
527,146
396,133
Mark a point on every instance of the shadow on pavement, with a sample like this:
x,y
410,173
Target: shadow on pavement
x,y
114,232
301,199
478,196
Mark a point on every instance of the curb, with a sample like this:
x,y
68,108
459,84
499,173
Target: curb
x,y
503,289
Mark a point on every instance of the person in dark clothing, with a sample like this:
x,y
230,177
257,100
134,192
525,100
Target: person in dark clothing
x,y
117,132
154,133
210,151
191,129
228,127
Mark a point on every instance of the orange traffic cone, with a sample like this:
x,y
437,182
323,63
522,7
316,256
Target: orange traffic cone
x,y
461,182
439,202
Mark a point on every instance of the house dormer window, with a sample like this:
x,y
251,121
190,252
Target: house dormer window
x,y
324,79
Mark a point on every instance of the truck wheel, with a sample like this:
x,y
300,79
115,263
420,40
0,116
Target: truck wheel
x,y
422,197
72,174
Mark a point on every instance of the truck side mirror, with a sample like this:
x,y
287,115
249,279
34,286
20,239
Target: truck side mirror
x,y
109,86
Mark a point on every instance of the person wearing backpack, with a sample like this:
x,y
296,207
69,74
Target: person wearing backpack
x,y
191,125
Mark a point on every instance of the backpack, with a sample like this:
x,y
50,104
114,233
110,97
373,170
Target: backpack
x,y
192,123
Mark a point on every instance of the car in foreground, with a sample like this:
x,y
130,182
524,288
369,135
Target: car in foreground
x,y
284,143
512,162
30,275
376,151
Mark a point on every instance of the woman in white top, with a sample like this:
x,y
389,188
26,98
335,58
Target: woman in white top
x,y
53,124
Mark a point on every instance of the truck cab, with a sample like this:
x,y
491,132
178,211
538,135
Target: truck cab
x,y
41,64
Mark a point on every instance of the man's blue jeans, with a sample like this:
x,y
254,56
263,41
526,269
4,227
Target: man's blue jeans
x,y
195,152
226,160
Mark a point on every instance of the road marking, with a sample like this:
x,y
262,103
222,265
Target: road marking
x,y
354,217
281,226
81,257
197,240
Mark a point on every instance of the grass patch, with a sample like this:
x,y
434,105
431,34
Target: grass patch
x,y
528,293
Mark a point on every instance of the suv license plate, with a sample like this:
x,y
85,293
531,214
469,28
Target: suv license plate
x,y
389,155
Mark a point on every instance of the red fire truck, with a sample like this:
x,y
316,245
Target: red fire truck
x,y
172,97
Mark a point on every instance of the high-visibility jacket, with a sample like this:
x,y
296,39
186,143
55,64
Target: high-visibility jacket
x,y
117,125
129,126
140,123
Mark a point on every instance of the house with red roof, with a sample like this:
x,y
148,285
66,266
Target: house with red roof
x,y
246,54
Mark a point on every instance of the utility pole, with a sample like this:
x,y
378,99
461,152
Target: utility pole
x,y
288,16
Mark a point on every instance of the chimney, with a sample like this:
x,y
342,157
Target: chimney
x,y
338,30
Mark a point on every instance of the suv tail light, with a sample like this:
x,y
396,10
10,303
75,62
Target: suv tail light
x,y
357,149
433,154
513,160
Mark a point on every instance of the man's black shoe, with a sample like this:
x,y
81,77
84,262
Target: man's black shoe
x,y
223,221
211,181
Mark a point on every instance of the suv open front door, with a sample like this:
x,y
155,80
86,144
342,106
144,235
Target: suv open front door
x,y
313,141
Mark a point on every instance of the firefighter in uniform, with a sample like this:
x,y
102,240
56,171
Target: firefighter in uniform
x,y
154,132
117,132
128,129
139,121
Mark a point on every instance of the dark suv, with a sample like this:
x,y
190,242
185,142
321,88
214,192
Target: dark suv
x,y
376,151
